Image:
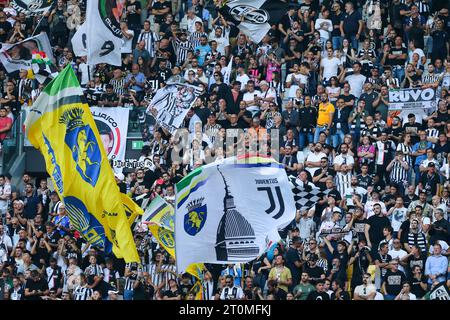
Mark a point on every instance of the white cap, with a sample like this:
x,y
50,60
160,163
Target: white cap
x,y
119,176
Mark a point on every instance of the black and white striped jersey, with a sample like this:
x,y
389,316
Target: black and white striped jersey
x,y
150,38
182,49
398,173
82,293
118,86
195,37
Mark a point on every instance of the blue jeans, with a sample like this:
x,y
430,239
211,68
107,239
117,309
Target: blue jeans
x,y
337,138
337,42
399,73
389,297
417,177
354,42
128,294
317,133
302,137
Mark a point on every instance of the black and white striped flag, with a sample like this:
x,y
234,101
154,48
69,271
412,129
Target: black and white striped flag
x,y
172,104
305,196
254,17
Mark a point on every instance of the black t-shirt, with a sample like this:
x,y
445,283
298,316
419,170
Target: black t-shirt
x,y
314,295
342,256
416,288
185,288
397,62
343,296
143,292
429,183
351,23
60,24
314,273
358,228
291,257
159,6
441,152
405,230
415,261
383,259
364,181
54,237
134,19
109,97
38,285
329,173
394,281
41,253
172,294
407,200
377,224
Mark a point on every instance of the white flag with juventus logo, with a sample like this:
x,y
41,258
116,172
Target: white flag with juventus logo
x,y
228,211
254,17
103,34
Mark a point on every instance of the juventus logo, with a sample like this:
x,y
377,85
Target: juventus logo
x,y
273,204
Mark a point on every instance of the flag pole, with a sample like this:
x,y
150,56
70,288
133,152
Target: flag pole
x,y
40,20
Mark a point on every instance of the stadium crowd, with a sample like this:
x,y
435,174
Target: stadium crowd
x,y
320,77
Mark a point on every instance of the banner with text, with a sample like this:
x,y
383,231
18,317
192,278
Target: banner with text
x,y
410,99
112,124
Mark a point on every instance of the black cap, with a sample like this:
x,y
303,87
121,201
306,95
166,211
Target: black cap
x,y
411,115
431,164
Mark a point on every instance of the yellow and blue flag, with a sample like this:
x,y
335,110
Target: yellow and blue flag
x,y
159,217
61,126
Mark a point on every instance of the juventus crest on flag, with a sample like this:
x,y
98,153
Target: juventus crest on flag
x,y
216,221
254,17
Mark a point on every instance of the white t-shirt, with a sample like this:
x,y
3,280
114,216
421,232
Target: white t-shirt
x,y
303,79
364,291
330,67
222,43
398,254
356,84
251,97
397,217
127,43
5,190
243,80
83,68
341,159
234,293
313,157
325,32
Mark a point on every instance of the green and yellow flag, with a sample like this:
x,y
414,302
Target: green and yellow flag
x,y
61,126
159,218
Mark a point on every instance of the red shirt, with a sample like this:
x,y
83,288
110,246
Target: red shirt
x,y
4,122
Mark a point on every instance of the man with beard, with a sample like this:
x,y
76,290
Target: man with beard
x,y
365,291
